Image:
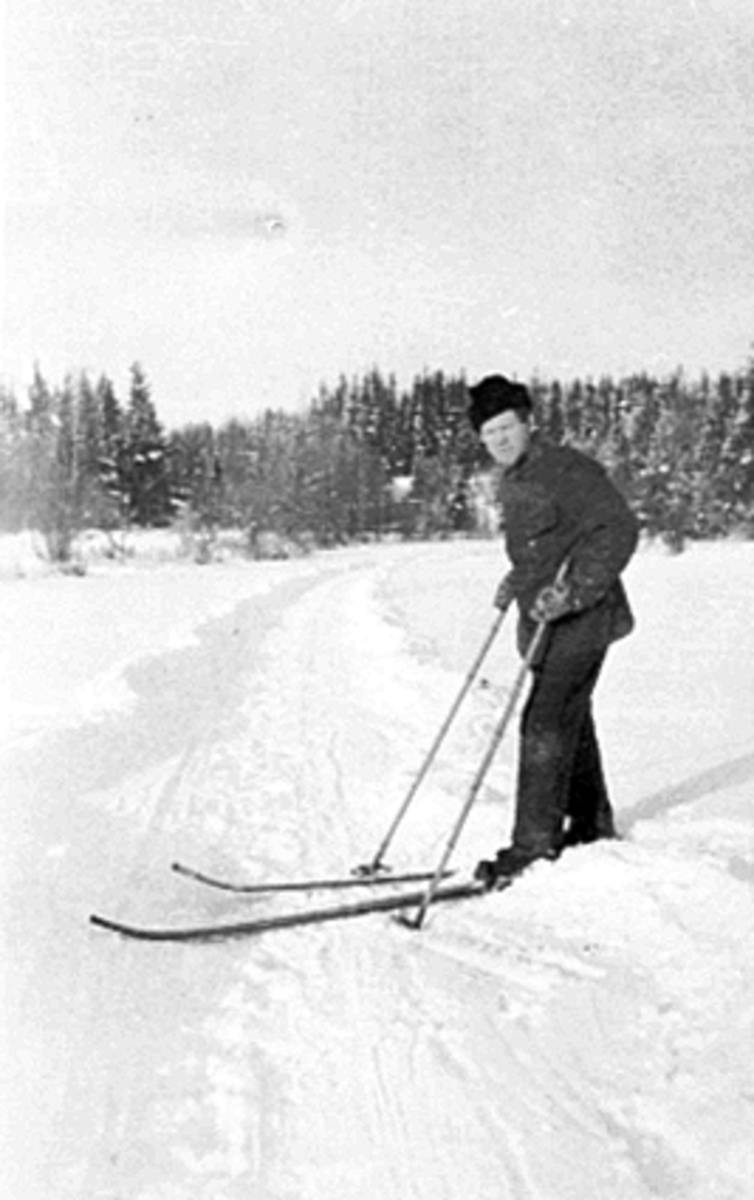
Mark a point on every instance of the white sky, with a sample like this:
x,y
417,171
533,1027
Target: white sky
x,y
251,196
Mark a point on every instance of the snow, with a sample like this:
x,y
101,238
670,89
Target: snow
x,y
587,1033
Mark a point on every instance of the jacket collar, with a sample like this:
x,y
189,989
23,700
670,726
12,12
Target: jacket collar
x,y
531,454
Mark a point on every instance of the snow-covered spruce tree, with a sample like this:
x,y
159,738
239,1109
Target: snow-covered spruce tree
x,y
113,516
143,471
93,503
327,465
49,465
444,454
737,455
63,450
548,407
196,485
11,451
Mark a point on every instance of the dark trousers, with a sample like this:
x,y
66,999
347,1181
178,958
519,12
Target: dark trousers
x,y
560,773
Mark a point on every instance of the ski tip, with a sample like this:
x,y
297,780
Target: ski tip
x,y
104,923
186,872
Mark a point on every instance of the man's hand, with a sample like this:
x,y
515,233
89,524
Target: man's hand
x,y
552,603
504,595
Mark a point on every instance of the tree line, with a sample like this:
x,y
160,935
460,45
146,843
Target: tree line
x,y
364,459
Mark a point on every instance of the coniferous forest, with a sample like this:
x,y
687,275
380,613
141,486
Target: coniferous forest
x,y
365,460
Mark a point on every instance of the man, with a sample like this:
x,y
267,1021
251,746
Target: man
x,y
559,507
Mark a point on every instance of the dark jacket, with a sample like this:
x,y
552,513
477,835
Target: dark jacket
x,y
558,503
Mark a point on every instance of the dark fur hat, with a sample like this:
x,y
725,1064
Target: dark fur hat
x,y
496,394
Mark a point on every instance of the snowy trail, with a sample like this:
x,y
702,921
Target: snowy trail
x,y
582,1035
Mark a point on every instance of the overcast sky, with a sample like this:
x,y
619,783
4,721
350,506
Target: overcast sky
x,y
253,196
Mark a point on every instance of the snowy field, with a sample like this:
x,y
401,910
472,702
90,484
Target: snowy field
x,y
588,1034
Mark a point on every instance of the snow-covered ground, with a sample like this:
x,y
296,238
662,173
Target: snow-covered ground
x,y
587,1034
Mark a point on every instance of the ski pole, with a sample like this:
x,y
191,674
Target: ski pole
x,y
377,863
497,736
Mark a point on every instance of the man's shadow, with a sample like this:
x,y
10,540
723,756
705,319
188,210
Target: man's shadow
x,y
716,779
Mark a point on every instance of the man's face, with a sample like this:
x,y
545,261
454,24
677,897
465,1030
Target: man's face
x,y
506,437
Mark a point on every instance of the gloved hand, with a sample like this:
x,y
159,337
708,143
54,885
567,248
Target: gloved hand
x,y
504,595
552,603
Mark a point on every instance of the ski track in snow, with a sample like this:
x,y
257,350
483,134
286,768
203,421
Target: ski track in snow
x,y
586,1034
